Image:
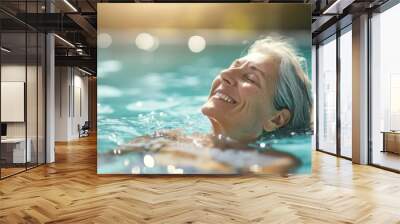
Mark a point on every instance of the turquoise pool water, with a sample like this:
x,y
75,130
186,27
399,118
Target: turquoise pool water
x,y
142,92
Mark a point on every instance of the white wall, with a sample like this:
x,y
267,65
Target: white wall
x,y
12,73
79,117
70,83
62,81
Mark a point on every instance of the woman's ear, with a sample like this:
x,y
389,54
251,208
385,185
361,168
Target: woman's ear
x,y
280,119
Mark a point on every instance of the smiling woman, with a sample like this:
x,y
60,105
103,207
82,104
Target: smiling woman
x,y
263,93
266,91
157,111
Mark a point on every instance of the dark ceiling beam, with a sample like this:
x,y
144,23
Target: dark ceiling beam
x,y
329,14
337,7
84,24
88,70
11,25
91,5
49,22
320,23
79,61
200,1
58,22
87,51
16,18
330,30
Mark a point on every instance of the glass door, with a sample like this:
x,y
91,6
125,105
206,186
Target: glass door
x,y
14,153
22,101
327,96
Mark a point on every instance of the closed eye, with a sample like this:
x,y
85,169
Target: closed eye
x,y
249,78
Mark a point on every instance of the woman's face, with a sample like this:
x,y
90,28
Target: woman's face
x,y
240,102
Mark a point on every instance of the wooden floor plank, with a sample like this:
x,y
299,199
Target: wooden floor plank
x,y
70,191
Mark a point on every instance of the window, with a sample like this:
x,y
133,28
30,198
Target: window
x,y
346,93
385,89
327,96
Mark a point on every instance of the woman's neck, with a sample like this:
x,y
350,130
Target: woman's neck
x,y
229,134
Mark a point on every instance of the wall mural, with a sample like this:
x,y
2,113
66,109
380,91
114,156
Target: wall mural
x,y
212,88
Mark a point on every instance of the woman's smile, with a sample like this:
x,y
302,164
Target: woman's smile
x,y
224,97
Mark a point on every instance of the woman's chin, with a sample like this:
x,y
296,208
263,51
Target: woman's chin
x,y
210,110
216,106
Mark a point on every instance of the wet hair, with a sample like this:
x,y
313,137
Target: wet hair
x,y
293,87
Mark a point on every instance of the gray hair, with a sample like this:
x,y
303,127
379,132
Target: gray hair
x,y
293,88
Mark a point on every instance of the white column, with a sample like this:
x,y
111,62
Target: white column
x,y
50,100
63,102
50,92
360,90
314,94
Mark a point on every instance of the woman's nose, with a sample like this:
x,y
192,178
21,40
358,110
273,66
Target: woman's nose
x,y
229,76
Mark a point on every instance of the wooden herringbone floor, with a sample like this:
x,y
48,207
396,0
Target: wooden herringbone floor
x,y
69,191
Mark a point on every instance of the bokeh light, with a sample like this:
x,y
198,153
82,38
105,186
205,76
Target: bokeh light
x,y
148,161
196,44
146,41
104,40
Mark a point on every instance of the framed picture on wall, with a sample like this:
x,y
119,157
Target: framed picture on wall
x,y
12,101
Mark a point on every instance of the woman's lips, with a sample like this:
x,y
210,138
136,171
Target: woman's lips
x,y
224,97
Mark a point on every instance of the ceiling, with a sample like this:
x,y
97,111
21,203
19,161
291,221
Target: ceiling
x,y
76,22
